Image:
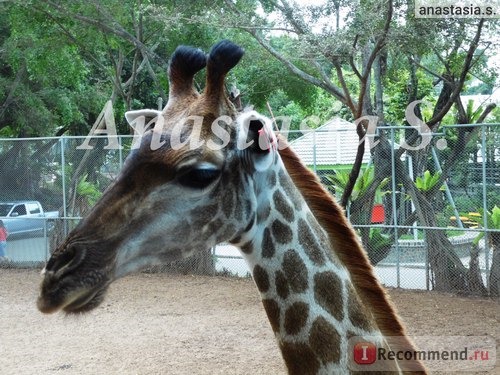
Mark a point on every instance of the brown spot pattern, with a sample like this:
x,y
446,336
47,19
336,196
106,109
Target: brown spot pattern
x,y
299,359
227,233
325,341
295,271
263,212
356,312
235,240
250,224
282,206
290,190
271,181
273,313
247,248
309,243
261,278
268,248
248,207
281,232
296,317
350,334
328,293
281,284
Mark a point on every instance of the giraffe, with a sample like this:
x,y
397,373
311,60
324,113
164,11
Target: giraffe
x,y
207,175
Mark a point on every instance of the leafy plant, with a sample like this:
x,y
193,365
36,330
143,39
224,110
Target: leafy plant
x,y
88,191
492,219
472,114
339,181
427,181
379,245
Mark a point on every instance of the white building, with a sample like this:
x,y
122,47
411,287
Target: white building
x,y
331,146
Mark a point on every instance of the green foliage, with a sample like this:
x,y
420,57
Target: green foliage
x,y
88,191
69,64
492,221
483,88
397,96
340,178
466,203
379,240
44,74
494,218
378,246
427,181
260,77
281,105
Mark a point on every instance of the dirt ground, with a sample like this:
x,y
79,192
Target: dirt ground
x,y
164,324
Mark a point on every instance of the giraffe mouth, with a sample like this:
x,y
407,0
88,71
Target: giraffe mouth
x,y
86,302
74,280
72,299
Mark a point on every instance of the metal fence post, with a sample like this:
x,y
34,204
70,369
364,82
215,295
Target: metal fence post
x,y
63,176
120,152
485,204
427,270
314,152
394,209
447,189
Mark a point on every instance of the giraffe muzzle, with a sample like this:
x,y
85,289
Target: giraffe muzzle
x,y
67,285
64,263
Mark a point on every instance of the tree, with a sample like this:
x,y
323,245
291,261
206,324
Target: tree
x,y
376,35
61,61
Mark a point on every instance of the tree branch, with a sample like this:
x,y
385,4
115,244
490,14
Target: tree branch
x,y
438,76
340,75
118,30
10,96
379,44
326,85
454,95
463,75
351,58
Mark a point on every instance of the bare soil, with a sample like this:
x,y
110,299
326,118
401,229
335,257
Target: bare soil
x,y
164,324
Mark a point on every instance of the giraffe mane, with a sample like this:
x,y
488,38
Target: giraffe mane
x,y
347,247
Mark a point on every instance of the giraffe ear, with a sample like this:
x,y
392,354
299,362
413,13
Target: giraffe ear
x,y
141,120
141,115
256,140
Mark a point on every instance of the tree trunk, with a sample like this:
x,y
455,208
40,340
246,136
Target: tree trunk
x,y
448,271
495,264
474,278
447,268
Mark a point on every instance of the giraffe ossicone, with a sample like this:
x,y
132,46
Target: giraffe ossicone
x,y
317,286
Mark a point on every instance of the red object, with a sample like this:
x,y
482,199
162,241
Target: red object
x,y
378,214
365,353
3,234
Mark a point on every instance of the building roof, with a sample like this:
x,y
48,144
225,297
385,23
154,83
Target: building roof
x,y
334,143
481,100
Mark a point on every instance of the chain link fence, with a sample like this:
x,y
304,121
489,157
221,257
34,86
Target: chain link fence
x,y
423,205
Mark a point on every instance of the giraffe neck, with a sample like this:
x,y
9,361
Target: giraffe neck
x,y
306,292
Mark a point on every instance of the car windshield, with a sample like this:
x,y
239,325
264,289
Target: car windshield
x,y
5,209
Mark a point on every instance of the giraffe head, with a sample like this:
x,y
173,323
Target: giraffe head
x,y
202,174
188,184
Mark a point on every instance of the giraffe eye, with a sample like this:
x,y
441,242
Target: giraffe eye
x,y
197,178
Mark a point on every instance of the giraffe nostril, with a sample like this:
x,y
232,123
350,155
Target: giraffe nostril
x,y
62,263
